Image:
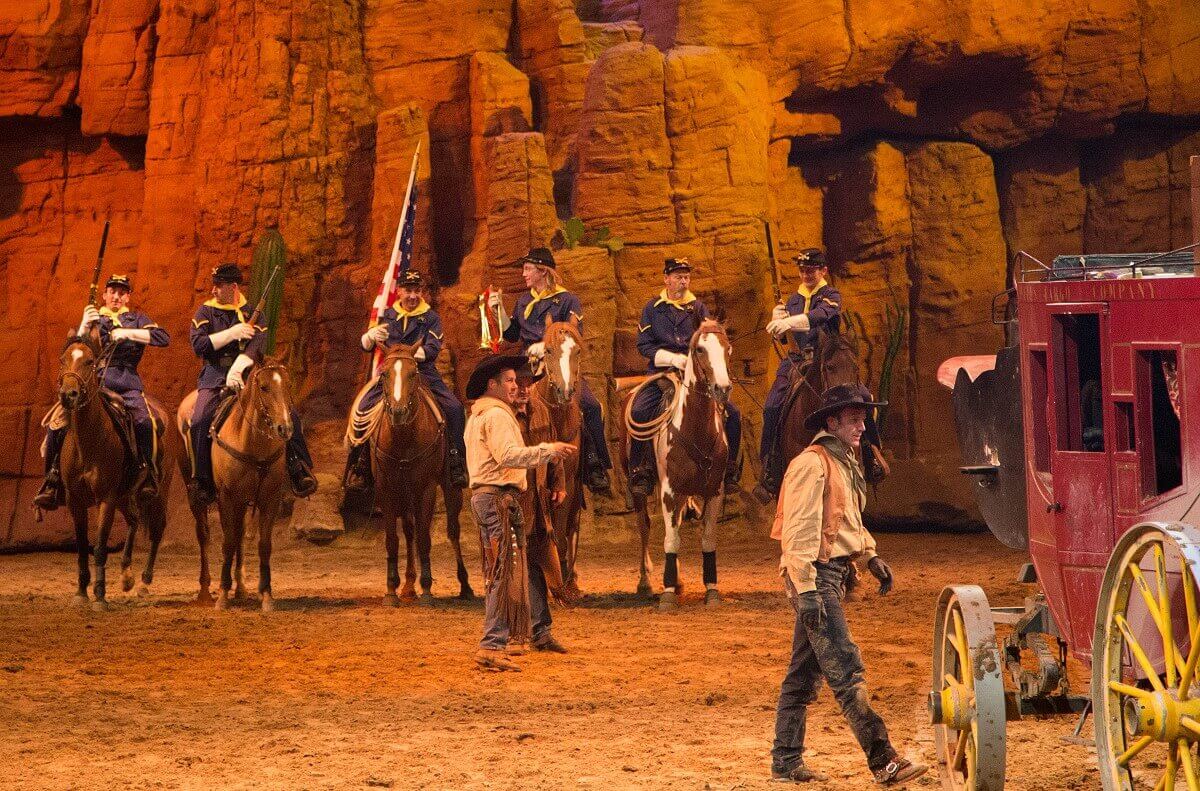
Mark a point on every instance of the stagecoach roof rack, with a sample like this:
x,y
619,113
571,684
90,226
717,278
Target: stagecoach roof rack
x,y
1111,266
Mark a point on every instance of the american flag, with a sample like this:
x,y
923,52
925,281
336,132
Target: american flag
x,y
406,242
401,258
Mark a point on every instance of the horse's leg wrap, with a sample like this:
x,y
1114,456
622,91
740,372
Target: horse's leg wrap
x,y
670,571
710,568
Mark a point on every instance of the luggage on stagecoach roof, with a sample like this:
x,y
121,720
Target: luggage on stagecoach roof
x,y
1115,265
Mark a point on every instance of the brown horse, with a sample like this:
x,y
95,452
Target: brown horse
x,y
94,463
408,451
250,476
559,392
835,362
691,452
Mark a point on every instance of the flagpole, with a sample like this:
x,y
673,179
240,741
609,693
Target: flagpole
x,y
389,275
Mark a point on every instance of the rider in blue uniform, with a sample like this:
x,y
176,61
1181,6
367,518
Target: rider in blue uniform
x,y
410,320
664,333
546,297
131,331
816,306
223,337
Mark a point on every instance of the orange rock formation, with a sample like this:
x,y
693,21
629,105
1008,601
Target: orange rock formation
x,y
921,145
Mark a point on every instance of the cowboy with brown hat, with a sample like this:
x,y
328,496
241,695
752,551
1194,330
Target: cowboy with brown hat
x,y
819,525
497,460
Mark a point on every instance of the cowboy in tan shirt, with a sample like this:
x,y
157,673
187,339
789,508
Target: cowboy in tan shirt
x,y
820,529
497,460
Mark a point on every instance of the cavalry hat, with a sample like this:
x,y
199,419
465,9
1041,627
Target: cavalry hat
x,y
410,278
527,374
227,273
540,256
676,265
813,256
488,368
118,281
837,398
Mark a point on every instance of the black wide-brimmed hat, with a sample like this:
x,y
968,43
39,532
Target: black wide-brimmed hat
x,y
527,373
227,273
489,367
118,281
676,265
813,256
410,279
837,398
540,256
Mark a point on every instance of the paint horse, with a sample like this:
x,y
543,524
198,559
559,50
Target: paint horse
x,y
94,463
407,436
559,391
690,452
250,476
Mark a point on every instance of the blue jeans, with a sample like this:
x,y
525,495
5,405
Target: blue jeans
x,y
829,653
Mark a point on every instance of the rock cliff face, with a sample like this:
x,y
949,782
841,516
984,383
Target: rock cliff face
x,y
922,146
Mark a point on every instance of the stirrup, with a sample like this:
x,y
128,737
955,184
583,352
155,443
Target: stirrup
x,y
52,494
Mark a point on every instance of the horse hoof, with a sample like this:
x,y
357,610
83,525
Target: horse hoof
x,y
204,597
668,601
391,600
408,595
425,600
223,601
79,600
101,605
239,593
268,603
143,590
644,589
127,580
712,597
466,594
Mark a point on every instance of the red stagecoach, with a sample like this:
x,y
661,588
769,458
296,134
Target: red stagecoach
x,y
1081,446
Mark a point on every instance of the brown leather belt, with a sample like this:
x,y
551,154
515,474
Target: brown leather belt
x,y
487,488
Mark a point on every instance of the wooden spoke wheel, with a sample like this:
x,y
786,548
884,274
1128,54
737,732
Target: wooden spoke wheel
x,y
966,700
1144,661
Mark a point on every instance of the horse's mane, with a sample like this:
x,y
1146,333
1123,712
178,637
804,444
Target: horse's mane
x,y
706,326
84,339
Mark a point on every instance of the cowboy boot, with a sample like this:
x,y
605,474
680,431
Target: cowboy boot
x,y
457,468
597,476
202,491
733,473
642,480
358,478
303,482
51,495
768,486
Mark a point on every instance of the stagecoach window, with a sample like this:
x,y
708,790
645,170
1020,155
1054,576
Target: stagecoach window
x,y
1158,403
1079,381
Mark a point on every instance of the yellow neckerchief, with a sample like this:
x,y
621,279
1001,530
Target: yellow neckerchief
x,y
808,295
115,315
403,315
241,303
687,299
539,296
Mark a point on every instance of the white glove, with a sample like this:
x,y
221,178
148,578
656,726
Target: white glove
x,y
238,332
494,301
779,312
373,337
90,317
419,354
130,334
781,327
234,377
664,359
537,350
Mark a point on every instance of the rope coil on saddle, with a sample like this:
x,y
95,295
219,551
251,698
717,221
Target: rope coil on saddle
x,y
649,429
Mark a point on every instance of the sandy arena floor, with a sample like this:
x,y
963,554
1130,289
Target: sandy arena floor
x,y
335,691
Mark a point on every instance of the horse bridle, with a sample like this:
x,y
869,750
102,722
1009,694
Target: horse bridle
x,y
87,385
390,371
260,415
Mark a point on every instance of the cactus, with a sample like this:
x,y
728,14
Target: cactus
x,y
269,253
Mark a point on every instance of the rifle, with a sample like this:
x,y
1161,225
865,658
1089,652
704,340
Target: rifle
x,y
778,294
92,294
262,303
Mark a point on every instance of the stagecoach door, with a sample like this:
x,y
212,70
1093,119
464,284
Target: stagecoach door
x,y
1080,431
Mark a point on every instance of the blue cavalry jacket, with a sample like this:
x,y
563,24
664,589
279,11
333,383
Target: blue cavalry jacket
x,y
212,317
669,325
824,308
421,325
121,373
529,316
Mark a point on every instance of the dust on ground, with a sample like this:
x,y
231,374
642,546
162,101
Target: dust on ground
x,y
335,691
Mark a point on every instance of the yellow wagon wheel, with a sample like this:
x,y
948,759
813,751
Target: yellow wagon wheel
x,y
1145,650
966,700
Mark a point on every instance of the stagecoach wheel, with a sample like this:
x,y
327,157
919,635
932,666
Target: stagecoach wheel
x,y
966,701
1145,649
